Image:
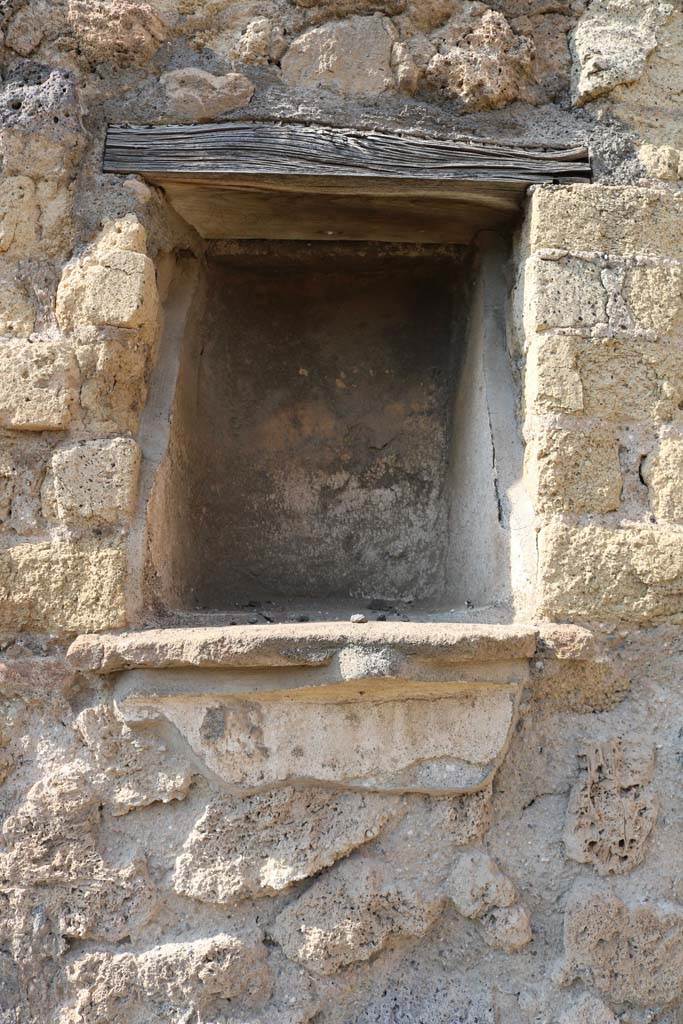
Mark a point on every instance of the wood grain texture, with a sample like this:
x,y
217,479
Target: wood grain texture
x,y
255,149
255,180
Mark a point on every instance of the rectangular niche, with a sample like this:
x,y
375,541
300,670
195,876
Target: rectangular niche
x,y
332,421
327,448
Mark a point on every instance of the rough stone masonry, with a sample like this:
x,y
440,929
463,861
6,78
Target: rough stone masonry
x,y
544,887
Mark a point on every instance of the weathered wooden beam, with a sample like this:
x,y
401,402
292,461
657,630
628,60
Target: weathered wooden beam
x,y
247,148
254,180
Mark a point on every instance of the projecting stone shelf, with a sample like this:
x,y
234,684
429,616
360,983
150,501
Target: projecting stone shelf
x,y
295,644
393,707
255,180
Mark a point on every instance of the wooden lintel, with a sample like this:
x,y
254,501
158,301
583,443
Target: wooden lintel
x,y
255,180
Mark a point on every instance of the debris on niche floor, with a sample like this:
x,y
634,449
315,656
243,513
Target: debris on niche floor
x,y
264,612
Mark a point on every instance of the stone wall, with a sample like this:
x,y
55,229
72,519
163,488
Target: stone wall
x,y
134,888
